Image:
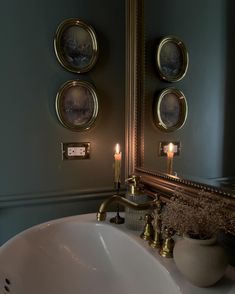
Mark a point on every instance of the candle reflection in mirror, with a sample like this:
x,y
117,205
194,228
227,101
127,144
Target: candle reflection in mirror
x,y
170,157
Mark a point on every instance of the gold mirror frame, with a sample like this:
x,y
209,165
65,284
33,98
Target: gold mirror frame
x,y
60,52
67,113
159,121
154,182
185,59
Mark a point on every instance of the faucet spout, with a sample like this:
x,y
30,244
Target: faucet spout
x,y
101,215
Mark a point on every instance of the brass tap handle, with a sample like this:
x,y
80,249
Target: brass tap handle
x,y
157,215
156,242
148,228
168,243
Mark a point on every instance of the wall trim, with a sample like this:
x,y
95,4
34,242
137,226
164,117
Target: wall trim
x,y
55,197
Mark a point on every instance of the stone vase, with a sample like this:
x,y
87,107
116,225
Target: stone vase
x,y
202,262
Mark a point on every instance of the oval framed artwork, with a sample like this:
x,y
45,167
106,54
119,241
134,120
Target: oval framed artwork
x,y
76,46
77,105
170,110
172,59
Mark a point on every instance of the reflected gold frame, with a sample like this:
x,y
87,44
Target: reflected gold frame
x,y
183,110
185,57
59,52
59,100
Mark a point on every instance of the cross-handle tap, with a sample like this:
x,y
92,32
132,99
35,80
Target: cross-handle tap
x,y
168,243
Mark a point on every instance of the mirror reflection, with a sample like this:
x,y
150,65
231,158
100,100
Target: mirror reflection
x,y
207,138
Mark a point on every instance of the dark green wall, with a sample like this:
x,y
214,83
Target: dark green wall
x,y
203,26
30,76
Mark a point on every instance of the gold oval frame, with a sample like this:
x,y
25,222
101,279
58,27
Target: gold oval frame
x,y
60,53
185,62
60,106
183,110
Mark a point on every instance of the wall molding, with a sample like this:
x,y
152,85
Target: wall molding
x,y
55,197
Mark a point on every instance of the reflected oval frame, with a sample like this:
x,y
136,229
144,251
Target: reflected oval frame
x,y
183,110
185,59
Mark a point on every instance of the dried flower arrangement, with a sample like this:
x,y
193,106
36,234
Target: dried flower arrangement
x,y
200,217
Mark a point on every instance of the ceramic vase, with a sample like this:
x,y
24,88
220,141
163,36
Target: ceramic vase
x,y
202,262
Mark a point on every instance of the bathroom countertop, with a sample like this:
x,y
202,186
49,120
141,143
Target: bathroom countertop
x,y
225,286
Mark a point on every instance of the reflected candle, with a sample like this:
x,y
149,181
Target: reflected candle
x,y
170,156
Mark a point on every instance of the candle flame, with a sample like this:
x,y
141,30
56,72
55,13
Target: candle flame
x,y
117,149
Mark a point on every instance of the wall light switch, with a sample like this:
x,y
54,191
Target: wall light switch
x,y
75,150
163,148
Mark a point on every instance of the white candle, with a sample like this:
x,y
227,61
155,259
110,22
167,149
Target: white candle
x,y
117,164
170,156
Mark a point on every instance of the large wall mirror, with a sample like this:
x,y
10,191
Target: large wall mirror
x,y
207,138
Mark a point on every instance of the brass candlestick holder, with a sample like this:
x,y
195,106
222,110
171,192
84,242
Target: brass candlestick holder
x,y
117,219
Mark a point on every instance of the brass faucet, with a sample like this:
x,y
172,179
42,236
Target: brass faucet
x,y
101,215
166,247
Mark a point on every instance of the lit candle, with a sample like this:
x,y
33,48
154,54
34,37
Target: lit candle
x,y
170,156
117,165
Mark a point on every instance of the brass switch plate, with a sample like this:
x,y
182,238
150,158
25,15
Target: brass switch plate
x,y
76,150
163,148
